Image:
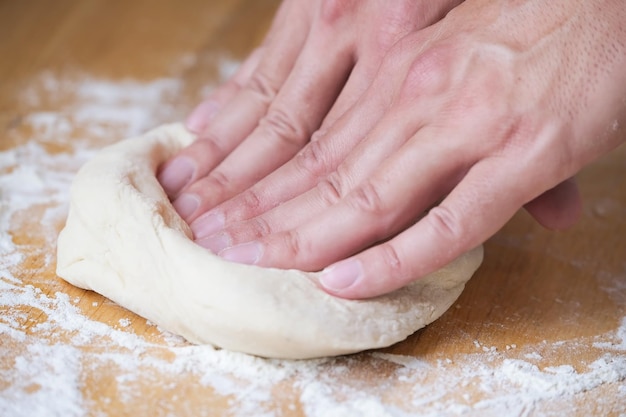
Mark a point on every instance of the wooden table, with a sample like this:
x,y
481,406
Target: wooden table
x,y
539,330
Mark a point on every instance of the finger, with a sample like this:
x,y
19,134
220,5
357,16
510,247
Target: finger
x,y
558,208
200,117
297,176
378,207
308,161
321,156
387,137
202,114
394,24
359,81
291,119
240,116
474,211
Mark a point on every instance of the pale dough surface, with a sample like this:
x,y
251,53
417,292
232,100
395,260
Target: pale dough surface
x,y
124,240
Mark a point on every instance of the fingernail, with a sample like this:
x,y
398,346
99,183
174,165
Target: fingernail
x,y
177,174
207,225
215,243
200,117
341,275
246,253
186,205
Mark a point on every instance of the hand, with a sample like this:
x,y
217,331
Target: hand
x,y
488,110
316,61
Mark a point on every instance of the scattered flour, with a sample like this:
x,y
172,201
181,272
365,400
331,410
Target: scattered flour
x,y
50,345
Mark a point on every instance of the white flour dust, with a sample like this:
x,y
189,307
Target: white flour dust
x,y
51,345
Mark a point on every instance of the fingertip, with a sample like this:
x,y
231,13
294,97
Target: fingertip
x,y
249,253
186,205
338,278
176,174
207,224
215,243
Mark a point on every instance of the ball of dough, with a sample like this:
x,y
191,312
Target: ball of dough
x,y
124,240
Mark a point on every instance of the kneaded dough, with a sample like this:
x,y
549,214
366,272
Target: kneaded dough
x,y
124,240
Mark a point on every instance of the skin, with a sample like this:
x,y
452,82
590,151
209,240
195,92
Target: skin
x,y
354,118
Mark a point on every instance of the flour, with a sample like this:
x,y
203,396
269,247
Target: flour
x,y
51,341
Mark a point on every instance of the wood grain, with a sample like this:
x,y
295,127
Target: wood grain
x,y
535,290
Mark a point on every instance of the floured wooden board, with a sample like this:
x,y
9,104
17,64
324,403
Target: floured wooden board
x,y
540,329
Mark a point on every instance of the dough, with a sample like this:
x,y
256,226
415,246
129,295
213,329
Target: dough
x,y
124,240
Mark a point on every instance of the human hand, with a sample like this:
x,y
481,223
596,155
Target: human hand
x,y
317,59
490,109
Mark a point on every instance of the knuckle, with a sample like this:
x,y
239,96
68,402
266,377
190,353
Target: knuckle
x,y
312,160
293,244
218,180
391,259
445,224
367,198
281,126
261,226
428,74
510,134
334,10
262,86
250,200
330,189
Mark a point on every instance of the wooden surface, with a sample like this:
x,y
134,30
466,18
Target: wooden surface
x,y
540,298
